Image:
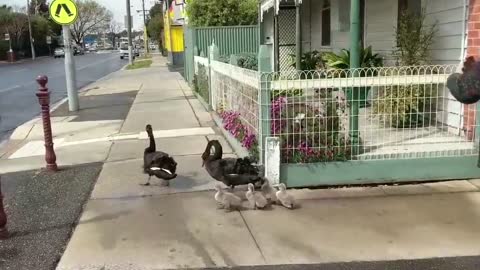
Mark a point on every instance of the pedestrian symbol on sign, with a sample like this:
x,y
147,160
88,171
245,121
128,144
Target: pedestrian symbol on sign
x,y
63,12
65,7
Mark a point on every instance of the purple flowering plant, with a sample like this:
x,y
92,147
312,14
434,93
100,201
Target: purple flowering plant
x,y
317,140
233,124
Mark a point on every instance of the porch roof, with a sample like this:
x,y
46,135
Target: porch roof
x,y
266,5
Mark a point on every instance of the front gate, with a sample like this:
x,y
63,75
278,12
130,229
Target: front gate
x,y
286,49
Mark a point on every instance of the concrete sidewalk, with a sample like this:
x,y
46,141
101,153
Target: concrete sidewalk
x,y
134,227
129,226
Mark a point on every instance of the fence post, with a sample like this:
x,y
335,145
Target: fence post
x,y
265,76
233,60
213,55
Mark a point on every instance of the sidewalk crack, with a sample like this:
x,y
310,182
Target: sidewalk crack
x,y
253,237
191,106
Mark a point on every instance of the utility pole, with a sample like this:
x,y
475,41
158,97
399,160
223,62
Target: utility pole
x,y
70,75
30,30
129,34
145,35
298,31
169,30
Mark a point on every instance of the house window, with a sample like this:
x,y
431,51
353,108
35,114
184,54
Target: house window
x,y
411,6
326,26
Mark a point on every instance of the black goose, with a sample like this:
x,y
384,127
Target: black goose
x,y
231,171
157,163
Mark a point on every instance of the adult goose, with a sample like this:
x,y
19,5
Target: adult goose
x,y
157,163
231,171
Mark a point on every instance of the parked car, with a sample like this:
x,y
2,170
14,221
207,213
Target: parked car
x,y
59,52
124,52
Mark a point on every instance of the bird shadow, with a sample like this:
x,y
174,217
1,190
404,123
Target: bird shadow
x,y
15,234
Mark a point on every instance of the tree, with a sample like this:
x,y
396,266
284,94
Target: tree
x,y
92,18
38,7
5,18
114,32
157,9
155,27
222,13
18,25
414,39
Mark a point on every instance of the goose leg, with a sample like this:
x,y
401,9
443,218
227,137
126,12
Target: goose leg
x,y
228,207
164,183
148,181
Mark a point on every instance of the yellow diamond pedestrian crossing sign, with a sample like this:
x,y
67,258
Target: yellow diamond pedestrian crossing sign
x,y
63,12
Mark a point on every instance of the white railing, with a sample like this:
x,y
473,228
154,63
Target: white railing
x,y
249,77
235,89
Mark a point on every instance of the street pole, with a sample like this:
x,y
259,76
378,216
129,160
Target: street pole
x,y
169,30
298,31
70,71
129,34
355,52
30,30
145,38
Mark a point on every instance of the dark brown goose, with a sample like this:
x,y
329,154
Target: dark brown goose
x,y
231,171
157,163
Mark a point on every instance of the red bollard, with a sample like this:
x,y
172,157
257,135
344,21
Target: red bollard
x,y
3,216
44,99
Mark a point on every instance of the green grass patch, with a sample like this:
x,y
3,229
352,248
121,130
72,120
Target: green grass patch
x,y
145,57
140,64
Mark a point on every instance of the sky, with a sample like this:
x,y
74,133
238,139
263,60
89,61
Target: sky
x,y
117,7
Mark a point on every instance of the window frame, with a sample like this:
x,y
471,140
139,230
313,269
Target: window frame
x,y
326,13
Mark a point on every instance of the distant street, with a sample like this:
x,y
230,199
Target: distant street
x,y
18,102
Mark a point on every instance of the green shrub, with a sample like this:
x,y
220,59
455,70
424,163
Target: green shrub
x,y
414,39
411,105
341,61
224,59
200,82
247,61
203,13
285,93
405,106
310,131
309,61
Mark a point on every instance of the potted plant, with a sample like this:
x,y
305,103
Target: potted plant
x,y
341,61
309,62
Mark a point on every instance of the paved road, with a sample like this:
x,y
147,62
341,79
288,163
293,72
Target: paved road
x,y
18,102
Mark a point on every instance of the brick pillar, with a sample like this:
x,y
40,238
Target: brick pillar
x,y
473,49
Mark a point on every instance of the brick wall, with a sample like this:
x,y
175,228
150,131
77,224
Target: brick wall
x,y
473,49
